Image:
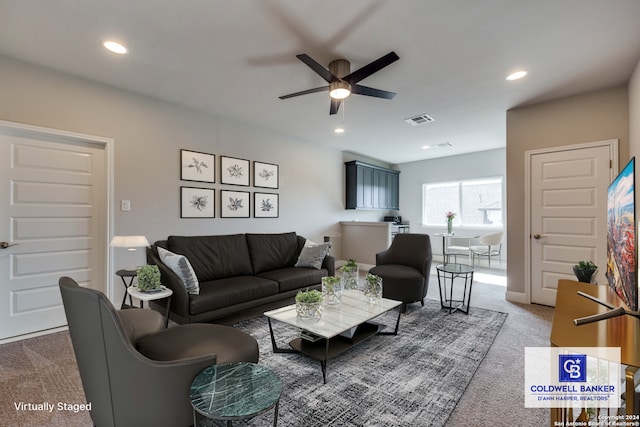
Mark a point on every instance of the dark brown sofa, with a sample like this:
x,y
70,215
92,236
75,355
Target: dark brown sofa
x,y
235,273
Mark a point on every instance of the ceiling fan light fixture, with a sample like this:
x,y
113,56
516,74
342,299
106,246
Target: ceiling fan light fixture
x,y
339,89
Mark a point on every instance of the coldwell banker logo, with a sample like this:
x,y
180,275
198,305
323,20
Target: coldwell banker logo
x,y
573,368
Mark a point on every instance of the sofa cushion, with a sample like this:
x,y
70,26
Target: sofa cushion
x,y
313,255
295,277
214,257
272,251
180,265
230,291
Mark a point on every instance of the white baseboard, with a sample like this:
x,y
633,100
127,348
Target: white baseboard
x,y
33,335
517,297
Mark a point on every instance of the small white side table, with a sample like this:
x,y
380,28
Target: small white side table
x,y
150,296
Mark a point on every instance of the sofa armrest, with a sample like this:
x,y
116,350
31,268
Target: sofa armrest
x,y
180,297
329,262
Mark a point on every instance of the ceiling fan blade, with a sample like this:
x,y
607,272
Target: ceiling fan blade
x,y
369,91
373,67
319,69
335,104
305,92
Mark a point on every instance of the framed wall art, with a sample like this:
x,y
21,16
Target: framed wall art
x,y
234,171
196,166
265,175
234,204
197,202
265,205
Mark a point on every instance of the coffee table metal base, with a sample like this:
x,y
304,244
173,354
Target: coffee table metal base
x,y
324,349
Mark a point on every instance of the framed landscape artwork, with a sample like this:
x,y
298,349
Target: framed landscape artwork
x,y
265,175
234,171
196,166
197,202
265,205
234,204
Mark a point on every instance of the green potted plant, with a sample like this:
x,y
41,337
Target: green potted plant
x,y
373,287
349,275
309,304
332,289
585,271
148,278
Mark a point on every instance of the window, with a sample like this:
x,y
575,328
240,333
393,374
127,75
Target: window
x,y
476,202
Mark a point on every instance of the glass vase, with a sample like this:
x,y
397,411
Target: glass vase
x,y
373,288
309,311
449,226
349,278
331,290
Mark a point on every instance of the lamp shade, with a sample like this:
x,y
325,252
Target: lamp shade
x,y
130,242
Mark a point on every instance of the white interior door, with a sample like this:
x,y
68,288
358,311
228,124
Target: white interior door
x,y
53,214
568,191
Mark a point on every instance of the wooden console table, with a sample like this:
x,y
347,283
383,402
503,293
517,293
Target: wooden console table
x,y
623,331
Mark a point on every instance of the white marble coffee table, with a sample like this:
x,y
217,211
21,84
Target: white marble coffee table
x,y
341,326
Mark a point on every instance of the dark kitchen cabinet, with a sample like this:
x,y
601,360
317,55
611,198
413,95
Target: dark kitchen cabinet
x,y
371,187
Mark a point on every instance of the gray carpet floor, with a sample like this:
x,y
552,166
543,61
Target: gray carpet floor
x,y
412,379
43,369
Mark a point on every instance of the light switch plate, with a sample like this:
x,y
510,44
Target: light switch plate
x,y
125,205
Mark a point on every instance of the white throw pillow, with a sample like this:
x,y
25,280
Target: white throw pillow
x,y
180,265
312,256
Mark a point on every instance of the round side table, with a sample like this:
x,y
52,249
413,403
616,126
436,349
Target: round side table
x,y
235,391
142,296
451,271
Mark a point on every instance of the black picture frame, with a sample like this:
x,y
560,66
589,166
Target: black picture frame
x,y
235,171
197,202
235,204
266,205
197,166
265,175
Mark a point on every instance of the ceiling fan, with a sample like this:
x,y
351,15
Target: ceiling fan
x,y
343,82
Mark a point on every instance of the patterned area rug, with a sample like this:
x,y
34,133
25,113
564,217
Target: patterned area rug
x,y
413,379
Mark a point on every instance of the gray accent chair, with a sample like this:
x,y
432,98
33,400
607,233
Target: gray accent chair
x,y
134,371
404,268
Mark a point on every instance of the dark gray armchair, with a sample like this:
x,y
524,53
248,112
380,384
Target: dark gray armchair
x,y
133,370
404,268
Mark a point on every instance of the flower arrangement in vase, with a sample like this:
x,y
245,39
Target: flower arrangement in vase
x,y
309,304
349,275
585,271
450,215
331,290
148,278
373,287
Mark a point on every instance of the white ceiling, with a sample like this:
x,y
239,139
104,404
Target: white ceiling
x,y
234,58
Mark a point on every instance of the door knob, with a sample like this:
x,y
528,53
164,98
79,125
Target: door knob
x,y
5,245
537,236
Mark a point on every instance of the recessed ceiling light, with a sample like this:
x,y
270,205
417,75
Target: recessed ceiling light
x,y
339,130
115,47
517,75
425,147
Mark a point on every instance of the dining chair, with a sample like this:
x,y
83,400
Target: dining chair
x,y
489,245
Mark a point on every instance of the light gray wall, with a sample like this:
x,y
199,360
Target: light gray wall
x,y
148,135
594,116
467,166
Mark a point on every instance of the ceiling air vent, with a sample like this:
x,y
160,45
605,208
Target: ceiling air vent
x,y
419,120
445,145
